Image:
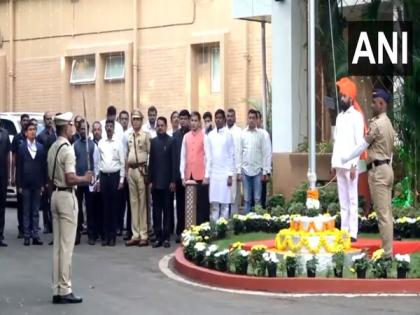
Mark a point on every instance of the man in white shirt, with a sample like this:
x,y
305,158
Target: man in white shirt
x,y
111,114
348,133
220,165
268,158
174,123
253,162
236,134
112,173
150,126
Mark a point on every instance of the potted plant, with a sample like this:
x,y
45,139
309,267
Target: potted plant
x,y
221,228
380,264
360,264
338,262
199,253
188,241
240,261
311,266
210,259
221,260
291,264
271,262
257,261
403,265
238,224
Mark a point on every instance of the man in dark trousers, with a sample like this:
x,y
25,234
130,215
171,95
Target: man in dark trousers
x,y
31,180
83,191
112,173
184,122
160,176
47,137
17,141
4,178
97,218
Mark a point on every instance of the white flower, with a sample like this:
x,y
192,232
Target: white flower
x,y
399,257
221,253
312,203
205,226
200,247
357,257
270,257
243,253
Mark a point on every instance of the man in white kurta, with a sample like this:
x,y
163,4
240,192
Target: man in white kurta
x,y
220,165
348,133
236,134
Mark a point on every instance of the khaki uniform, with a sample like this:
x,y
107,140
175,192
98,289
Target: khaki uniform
x,y
64,212
138,152
381,136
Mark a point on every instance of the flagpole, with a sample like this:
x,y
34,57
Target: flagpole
x,y
311,85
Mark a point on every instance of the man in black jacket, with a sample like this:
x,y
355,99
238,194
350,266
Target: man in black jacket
x,y
31,180
160,175
17,141
184,122
4,178
47,137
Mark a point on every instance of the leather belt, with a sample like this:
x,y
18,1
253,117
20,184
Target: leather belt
x,y
68,189
110,174
376,163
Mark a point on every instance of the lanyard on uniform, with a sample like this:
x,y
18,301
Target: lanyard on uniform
x,y
55,160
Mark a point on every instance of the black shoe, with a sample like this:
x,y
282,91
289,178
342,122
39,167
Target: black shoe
x,y
20,235
152,238
84,232
119,232
177,239
3,244
47,230
91,241
353,240
166,244
111,243
127,237
104,243
77,240
37,241
27,242
67,299
51,243
157,244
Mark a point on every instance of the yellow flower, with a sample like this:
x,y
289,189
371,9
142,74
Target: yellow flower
x,y
206,238
352,270
378,254
289,254
267,216
372,215
237,245
258,247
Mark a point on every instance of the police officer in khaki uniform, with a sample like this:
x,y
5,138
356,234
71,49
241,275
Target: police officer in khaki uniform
x,y
137,156
62,175
379,142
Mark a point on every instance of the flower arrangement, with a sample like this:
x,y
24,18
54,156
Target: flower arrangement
x,y
360,264
210,259
403,265
311,265
380,264
256,259
271,261
221,260
312,202
291,263
199,253
239,258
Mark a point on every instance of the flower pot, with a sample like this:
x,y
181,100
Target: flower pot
x,y
383,275
361,273
401,273
221,266
272,270
311,273
338,273
221,234
211,264
241,268
291,273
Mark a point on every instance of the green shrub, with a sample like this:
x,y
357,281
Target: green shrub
x,y
297,208
276,200
278,211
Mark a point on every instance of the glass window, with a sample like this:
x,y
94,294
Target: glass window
x,y
114,68
83,70
215,70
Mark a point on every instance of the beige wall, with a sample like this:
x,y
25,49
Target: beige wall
x,y
49,32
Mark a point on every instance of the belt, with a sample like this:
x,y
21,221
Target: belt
x,y
68,189
134,166
377,163
110,174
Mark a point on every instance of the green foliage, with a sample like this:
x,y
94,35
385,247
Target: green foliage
x,y
278,211
312,263
258,209
328,195
276,200
297,208
299,195
333,208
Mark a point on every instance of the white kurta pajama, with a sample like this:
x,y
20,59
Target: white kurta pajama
x,y
348,133
220,164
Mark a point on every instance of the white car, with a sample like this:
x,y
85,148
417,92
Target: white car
x,y
11,122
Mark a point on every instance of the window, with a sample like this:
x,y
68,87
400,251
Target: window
x,y
114,68
83,70
215,70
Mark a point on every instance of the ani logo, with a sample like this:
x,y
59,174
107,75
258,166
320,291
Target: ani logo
x,y
380,48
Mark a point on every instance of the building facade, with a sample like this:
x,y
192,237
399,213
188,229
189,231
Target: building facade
x,y
173,54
